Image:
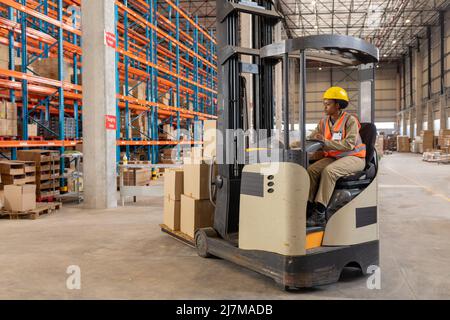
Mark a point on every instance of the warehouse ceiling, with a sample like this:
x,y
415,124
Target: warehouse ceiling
x,y
392,25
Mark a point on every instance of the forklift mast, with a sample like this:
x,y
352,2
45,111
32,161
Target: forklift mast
x,y
232,99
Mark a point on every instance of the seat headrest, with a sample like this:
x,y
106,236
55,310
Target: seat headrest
x,y
368,135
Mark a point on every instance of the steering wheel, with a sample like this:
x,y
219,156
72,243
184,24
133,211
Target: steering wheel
x,y
314,145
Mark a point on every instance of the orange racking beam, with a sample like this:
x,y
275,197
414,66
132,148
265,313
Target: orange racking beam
x,y
45,81
123,52
155,143
41,16
37,144
143,23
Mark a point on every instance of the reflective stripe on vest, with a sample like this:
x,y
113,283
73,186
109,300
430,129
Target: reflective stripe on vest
x,y
339,127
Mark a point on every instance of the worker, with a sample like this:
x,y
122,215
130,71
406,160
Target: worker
x,y
344,153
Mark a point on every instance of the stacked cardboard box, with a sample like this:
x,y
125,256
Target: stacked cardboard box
x,y
391,142
173,189
20,198
196,209
403,144
137,177
17,173
444,138
47,171
139,128
48,68
209,138
427,137
4,57
170,132
8,119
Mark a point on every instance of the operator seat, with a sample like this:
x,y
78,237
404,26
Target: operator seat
x,y
362,179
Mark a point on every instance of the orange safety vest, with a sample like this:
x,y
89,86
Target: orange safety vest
x,y
339,128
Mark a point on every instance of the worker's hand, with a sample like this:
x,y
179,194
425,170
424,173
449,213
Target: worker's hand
x,y
319,136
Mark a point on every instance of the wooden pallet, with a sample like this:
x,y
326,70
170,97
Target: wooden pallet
x,y
41,209
178,235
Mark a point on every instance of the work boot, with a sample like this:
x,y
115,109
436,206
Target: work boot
x,y
318,219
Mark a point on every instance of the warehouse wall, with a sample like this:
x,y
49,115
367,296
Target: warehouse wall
x,y
318,81
423,103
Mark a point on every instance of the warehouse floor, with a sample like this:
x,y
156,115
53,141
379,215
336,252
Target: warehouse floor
x,y
123,255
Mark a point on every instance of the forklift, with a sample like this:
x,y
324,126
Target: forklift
x,y
260,214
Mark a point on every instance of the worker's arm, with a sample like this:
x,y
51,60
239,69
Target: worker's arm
x,y
348,142
317,130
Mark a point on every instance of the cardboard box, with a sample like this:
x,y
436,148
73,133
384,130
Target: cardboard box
x,y
48,68
196,181
3,125
209,139
137,177
172,214
12,168
11,111
173,184
20,198
30,166
195,214
427,137
4,57
444,138
403,144
32,130
14,180
11,128
2,110
38,156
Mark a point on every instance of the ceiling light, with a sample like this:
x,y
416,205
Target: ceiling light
x,y
385,55
320,68
408,21
315,27
394,42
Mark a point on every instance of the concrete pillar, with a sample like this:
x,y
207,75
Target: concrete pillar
x,y
411,124
99,100
418,97
443,111
404,123
399,101
430,115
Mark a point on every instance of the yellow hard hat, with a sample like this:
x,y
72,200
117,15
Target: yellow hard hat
x,y
336,93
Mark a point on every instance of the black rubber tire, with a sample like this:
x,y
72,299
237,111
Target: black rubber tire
x,y
201,242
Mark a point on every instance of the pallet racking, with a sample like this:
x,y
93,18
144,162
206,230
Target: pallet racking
x,y
158,45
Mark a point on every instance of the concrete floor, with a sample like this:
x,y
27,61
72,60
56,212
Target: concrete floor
x,y
123,254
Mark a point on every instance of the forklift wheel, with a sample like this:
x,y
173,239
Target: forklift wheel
x,y
201,242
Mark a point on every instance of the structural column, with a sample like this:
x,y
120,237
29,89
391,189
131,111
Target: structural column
x,y
99,102
418,98
443,111
430,115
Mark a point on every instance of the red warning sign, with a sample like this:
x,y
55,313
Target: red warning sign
x,y
111,122
110,39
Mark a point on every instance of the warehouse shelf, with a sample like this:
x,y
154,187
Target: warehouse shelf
x,y
163,49
158,45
